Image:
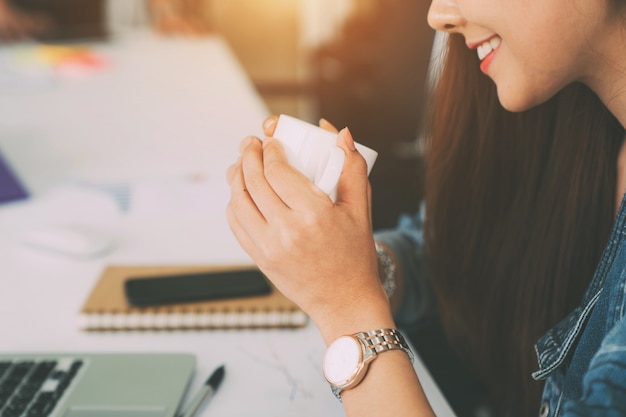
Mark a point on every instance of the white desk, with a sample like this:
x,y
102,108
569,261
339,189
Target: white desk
x,y
159,125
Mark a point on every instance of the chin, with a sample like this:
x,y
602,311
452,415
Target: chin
x,y
524,97
517,102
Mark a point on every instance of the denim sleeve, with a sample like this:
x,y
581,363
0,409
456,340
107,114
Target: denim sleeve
x,y
604,384
407,243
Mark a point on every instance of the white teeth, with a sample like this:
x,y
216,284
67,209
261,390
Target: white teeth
x,y
483,50
486,47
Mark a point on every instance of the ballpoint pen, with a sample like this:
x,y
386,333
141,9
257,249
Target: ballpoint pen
x,y
207,391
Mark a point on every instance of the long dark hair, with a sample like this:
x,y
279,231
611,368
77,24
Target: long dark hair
x,y
519,208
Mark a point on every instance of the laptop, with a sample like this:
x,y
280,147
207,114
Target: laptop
x,y
94,385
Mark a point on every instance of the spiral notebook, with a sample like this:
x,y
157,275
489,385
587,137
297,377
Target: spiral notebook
x,y
106,308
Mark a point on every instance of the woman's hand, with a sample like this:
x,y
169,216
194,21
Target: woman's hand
x,y
322,256
319,254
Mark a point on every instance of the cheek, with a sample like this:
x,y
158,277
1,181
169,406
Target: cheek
x,y
525,80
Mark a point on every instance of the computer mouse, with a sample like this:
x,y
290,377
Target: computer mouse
x,y
74,241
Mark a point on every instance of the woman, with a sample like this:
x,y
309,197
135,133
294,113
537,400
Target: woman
x,y
523,184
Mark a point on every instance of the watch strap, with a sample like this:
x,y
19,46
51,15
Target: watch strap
x,y
373,343
381,340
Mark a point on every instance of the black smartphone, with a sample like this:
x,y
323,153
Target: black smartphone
x,y
189,287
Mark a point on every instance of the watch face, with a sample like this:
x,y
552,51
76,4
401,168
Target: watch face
x,y
342,360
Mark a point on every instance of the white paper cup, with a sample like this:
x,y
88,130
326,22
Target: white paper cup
x,y
313,151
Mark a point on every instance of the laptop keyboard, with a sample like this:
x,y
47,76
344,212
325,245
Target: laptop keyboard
x,y
32,388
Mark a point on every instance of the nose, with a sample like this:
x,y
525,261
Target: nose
x,y
444,15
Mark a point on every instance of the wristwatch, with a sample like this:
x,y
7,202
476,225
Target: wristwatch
x,y
347,359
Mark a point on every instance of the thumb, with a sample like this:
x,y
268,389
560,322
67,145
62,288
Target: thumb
x,y
353,184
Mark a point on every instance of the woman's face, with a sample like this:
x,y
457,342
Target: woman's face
x,y
532,48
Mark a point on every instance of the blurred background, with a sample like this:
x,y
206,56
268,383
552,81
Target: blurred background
x,y
357,63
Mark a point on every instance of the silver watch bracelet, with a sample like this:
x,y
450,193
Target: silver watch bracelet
x,y
387,267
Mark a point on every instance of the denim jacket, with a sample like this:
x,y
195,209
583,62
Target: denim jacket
x,y
583,358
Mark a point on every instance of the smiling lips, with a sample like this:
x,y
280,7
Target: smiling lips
x,y
485,50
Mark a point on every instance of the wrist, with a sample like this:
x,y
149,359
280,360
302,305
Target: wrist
x,y
360,314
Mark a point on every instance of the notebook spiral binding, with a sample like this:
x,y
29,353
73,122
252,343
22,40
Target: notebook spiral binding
x,y
191,320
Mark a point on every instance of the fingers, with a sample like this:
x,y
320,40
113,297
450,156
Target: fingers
x,y
269,126
243,207
245,142
240,232
295,189
244,217
326,125
353,187
273,183
260,187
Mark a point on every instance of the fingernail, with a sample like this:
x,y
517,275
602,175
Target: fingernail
x,y
268,123
348,138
